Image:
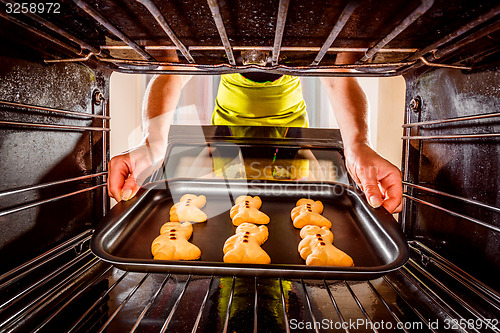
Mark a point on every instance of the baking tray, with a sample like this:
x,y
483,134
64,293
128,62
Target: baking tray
x,y
370,236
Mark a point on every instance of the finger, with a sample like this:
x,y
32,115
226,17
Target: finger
x,y
371,189
355,178
135,180
118,172
392,204
399,208
130,188
142,172
358,182
393,191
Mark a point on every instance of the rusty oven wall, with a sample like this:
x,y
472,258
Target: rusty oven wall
x,y
465,167
32,156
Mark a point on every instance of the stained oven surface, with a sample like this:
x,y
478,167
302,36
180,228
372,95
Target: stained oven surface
x,y
54,148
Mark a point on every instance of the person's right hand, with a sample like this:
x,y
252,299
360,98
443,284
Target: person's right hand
x,y
379,179
128,171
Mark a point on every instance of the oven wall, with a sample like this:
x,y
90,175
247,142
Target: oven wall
x,y
35,218
467,233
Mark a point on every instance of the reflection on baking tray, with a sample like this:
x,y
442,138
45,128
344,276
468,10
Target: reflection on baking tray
x,y
259,161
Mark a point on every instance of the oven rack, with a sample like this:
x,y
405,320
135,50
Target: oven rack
x,y
72,290
411,187
431,55
92,181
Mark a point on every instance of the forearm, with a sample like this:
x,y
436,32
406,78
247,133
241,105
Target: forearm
x,y
378,178
129,170
160,101
351,109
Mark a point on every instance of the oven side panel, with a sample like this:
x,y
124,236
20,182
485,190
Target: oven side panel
x,y
452,169
52,163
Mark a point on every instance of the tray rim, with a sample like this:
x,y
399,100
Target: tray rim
x,y
197,267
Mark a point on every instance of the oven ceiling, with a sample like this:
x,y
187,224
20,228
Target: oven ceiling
x,y
382,31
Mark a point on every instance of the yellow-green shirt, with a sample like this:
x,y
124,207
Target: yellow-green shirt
x,y
241,101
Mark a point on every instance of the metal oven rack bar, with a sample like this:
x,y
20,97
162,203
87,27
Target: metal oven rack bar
x,y
471,283
457,33
111,28
9,302
155,11
337,28
150,302
477,315
334,303
415,60
41,202
108,298
465,217
53,110
16,107
215,10
417,312
77,258
100,100
262,48
449,121
386,305
45,185
42,34
280,28
451,136
441,49
455,292
230,302
309,307
175,307
363,310
51,26
53,126
17,273
418,12
95,305
456,197
491,28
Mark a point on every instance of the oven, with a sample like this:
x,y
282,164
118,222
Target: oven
x,y
55,64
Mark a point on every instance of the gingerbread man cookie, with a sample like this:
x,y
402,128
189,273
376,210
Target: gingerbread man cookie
x,y
307,212
188,209
317,249
244,246
304,205
311,234
246,209
172,244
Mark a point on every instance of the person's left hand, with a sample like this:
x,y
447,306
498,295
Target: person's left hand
x,y
380,180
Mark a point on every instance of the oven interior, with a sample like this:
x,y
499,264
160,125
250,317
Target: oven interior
x,y
54,146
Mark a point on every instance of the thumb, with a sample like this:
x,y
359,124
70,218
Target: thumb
x,y
129,189
135,180
370,186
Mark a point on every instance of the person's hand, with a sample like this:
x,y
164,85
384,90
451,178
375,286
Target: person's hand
x,y
379,179
128,171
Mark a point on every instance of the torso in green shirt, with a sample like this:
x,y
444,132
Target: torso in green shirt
x,y
241,101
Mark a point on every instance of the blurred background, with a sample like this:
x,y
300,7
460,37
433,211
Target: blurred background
x,y
386,96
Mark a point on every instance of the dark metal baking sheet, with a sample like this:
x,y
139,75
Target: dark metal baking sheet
x,y
370,236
